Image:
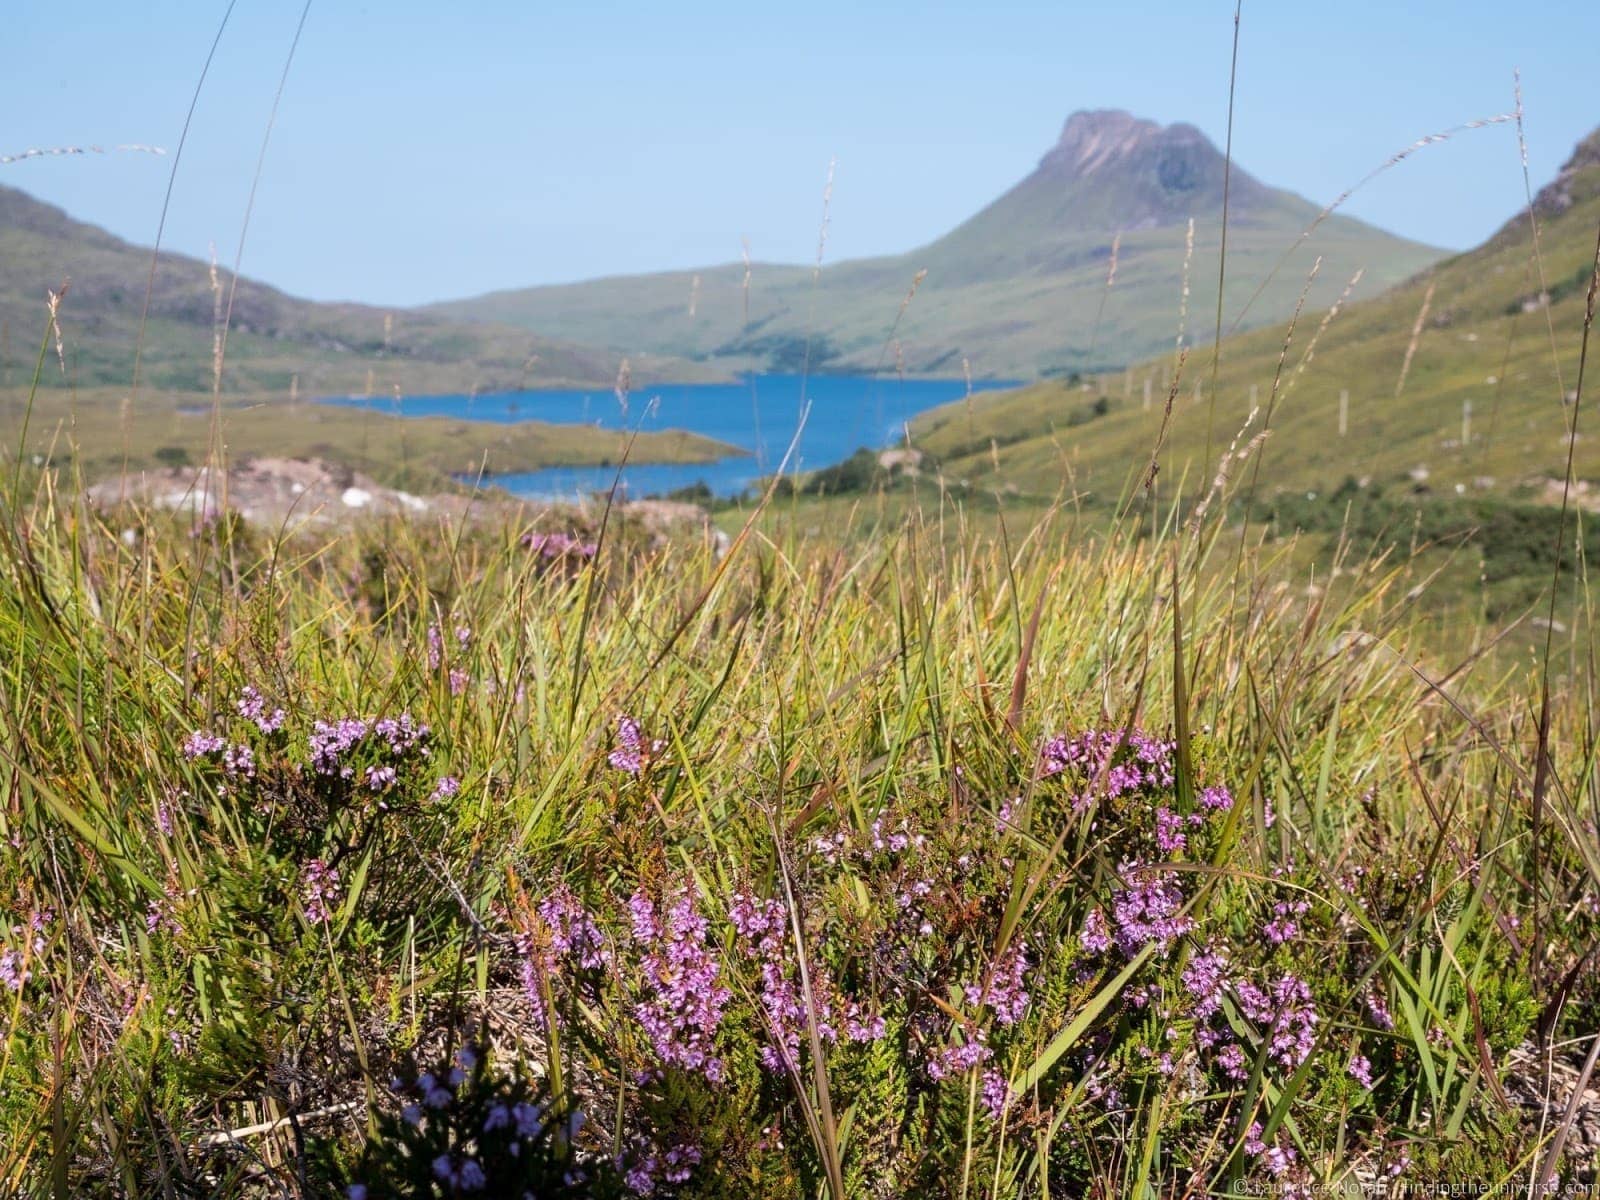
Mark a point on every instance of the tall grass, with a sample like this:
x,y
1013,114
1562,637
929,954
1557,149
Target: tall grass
x,y
195,1013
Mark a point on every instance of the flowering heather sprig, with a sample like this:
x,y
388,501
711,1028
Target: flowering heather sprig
x,y
1147,912
1231,1058
201,744
1289,1014
1110,763
331,741
1003,990
762,928
559,545
631,756
1170,837
239,762
1283,927
252,707
12,973
380,778
1205,979
164,810
447,786
960,1058
681,1003
995,1093
564,934
319,890
1378,1006
463,1174
1216,799
403,735
1096,936
1360,1070
573,933
644,1169
162,914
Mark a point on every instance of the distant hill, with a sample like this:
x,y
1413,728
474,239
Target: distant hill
x,y
274,337
1017,290
1483,340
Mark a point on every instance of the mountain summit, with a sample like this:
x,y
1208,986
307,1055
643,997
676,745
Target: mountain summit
x,y
1138,173
1018,289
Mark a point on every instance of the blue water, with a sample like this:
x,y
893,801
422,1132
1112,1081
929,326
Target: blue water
x,y
758,415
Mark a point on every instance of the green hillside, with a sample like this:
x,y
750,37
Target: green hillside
x,y
332,348
279,348
1484,342
1018,290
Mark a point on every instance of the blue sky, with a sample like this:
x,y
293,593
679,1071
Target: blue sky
x,y
431,150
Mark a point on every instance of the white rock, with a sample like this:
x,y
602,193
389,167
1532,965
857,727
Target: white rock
x,y
355,497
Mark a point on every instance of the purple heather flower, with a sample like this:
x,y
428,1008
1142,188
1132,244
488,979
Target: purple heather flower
x,y
380,778
1291,1018
995,1093
1233,1062
1095,938
159,915
682,1003
628,757
762,927
1360,1069
573,933
1278,1160
1216,799
447,786
435,648
1283,927
1170,838
680,1160
1378,1007
1109,763
403,734
200,744
239,761
253,708
1205,978
319,889
12,973
499,1118
959,1059
330,742
862,1026
1253,1145
1003,990
529,1119
1147,912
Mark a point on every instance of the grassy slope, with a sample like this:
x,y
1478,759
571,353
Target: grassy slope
x,y
276,342
802,688
1471,349
273,337
89,429
1014,291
